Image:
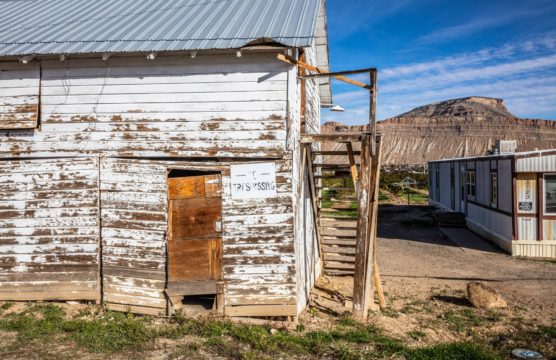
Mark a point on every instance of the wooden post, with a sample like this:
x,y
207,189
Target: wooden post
x,y
313,191
372,111
353,167
374,225
361,284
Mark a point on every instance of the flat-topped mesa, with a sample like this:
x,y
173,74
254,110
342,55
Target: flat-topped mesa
x,y
453,128
475,106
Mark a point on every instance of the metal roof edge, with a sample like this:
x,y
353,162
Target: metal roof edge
x,y
517,155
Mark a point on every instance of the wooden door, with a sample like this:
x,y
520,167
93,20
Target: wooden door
x,y
195,231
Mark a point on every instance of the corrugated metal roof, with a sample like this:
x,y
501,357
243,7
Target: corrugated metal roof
x,y
43,27
522,154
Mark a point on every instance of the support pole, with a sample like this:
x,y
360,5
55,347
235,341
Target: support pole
x,y
372,110
362,285
374,225
353,167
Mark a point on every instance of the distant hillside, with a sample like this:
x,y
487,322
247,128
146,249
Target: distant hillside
x,y
454,128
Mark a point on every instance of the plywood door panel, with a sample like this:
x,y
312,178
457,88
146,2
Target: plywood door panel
x,y
195,218
195,241
186,187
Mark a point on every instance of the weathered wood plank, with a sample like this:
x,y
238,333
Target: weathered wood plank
x,y
19,110
49,227
258,310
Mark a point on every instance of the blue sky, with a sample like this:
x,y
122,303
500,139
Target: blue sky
x,y
433,50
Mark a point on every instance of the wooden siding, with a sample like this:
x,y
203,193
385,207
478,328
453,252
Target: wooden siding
x,y
312,107
258,245
49,229
134,225
258,250
215,106
210,106
19,95
308,266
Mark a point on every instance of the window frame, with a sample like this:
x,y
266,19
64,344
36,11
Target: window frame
x,y
493,189
471,185
544,193
437,182
463,184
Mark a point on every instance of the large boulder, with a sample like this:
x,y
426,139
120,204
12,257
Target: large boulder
x,y
484,296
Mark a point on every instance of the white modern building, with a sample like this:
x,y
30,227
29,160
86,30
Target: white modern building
x,y
507,198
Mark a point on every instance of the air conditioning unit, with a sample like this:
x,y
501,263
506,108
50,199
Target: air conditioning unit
x,y
505,146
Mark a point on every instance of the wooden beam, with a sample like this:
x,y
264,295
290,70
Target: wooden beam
x,y
292,61
372,111
374,226
261,310
191,288
353,166
340,138
335,153
362,242
345,72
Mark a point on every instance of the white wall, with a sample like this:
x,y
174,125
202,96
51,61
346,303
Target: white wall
x,y
213,105
49,229
307,252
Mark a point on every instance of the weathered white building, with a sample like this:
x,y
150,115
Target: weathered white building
x,y
509,199
121,124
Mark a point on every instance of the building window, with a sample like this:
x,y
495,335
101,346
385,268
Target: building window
x,y
430,179
437,182
494,189
550,194
471,183
462,182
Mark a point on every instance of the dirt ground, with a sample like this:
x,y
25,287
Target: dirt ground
x,y
424,277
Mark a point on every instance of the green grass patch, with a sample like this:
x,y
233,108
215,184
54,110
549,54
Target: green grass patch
x,y
107,332
6,305
114,332
416,335
456,351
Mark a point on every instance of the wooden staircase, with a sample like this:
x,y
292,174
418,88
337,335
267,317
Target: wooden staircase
x,y
337,210
335,175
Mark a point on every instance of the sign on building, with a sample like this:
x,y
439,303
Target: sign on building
x,y
253,181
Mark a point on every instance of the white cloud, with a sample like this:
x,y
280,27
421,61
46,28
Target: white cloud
x,y
483,22
524,74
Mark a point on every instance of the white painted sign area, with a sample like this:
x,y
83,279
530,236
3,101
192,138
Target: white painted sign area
x,y
253,181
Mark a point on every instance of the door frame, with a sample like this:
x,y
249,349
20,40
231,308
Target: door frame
x,y
215,287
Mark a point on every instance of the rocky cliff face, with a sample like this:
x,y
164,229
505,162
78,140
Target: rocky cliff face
x,y
455,128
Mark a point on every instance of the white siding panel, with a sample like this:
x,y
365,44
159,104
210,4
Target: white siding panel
x,y
445,191
49,229
212,106
500,225
543,163
527,228
19,95
134,225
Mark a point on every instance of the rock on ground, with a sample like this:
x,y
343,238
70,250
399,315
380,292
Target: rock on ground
x,y
484,296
